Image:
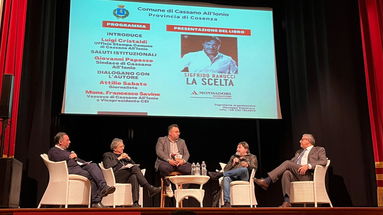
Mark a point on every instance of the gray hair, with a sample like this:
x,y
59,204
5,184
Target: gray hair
x,y
311,138
59,136
115,143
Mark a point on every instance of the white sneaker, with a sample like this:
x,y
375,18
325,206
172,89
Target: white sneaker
x,y
169,191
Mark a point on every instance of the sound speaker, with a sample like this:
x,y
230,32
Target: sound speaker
x,y
6,96
10,182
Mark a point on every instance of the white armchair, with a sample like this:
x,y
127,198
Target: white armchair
x,y
241,192
63,188
311,191
123,194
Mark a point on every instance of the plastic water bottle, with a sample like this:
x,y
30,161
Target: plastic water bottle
x,y
192,169
197,169
203,168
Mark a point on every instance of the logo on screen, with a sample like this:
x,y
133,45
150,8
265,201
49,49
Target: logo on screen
x,y
121,12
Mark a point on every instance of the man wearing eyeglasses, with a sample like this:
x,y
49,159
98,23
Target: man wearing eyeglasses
x,y
299,168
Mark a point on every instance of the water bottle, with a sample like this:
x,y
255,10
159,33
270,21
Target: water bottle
x,y
203,168
192,169
197,169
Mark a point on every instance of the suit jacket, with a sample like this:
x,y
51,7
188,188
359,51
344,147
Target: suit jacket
x,y
56,154
110,160
316,156
163,150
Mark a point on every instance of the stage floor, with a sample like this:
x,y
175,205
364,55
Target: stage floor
x,y
196,211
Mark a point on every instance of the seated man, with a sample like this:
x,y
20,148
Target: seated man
x,y
117,160
78,166
238,168
172,155
299,168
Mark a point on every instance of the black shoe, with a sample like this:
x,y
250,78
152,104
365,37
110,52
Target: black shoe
x,y
98,205
153,190
227,205
215,175
136,205
262,183
107,190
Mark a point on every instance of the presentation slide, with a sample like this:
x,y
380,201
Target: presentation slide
x,y
162,59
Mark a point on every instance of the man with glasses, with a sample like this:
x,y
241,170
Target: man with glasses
x,y
126,170
299,168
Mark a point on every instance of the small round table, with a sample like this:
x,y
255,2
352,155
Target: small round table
x,y
180,193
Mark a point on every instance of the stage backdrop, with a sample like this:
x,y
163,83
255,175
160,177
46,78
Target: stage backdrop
x,y
322,89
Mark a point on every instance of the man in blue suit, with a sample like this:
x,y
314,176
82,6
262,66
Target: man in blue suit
x,y
80,167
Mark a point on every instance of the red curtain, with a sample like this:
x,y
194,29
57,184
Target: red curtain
x,y
371,21
11,61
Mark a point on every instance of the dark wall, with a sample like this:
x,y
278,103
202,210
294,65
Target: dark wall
x,y
327,93
321,83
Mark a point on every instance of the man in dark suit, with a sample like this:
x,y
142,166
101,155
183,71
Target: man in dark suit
x,y
79,167
172,155
126,170
299,168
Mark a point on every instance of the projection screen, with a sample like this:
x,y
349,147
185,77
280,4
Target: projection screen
x,y
170,59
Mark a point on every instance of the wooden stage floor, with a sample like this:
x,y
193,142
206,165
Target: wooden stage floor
x,y
196,211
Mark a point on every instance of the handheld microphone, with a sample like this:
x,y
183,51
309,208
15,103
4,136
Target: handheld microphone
x,y
237,155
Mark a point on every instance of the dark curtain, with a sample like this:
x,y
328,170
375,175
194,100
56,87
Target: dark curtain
x,y
322,90
327,93
36,98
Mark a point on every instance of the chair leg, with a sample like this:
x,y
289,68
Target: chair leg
x,y
250,197
163,193
90,196
181,202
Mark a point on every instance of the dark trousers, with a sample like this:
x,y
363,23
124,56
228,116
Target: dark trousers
x,y
133,176
94,174
165,168
289,172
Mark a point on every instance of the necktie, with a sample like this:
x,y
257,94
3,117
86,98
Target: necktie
x,y
300,156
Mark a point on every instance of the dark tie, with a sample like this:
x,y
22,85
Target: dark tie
x,y
300,156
